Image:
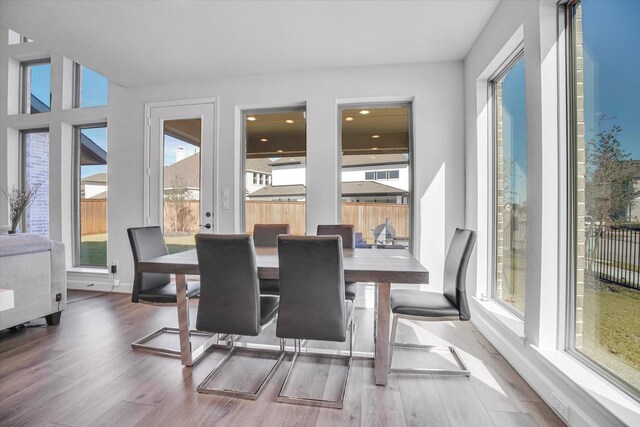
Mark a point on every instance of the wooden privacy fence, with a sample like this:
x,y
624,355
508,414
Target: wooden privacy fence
x,y
364,216
93,216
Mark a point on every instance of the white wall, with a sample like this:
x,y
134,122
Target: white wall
x,y
354,174
289,175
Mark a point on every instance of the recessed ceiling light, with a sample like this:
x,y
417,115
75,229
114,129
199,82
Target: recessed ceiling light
x,y
374,148
251,119
364,112
349,119
263,139
280,151
375,136
373,157
289,121
293,160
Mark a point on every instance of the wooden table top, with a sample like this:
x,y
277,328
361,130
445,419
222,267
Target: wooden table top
x,y
360,265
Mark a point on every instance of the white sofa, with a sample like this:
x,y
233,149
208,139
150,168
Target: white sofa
x,y
34,268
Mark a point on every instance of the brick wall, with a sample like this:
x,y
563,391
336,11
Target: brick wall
x,y
36,170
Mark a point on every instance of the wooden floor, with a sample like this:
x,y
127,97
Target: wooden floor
x,y
84,372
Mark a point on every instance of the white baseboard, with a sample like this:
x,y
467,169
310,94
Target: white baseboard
x,y
95,282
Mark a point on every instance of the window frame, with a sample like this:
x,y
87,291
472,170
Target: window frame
x,y
77,146
569,341
244,113
25,85
504,68
410,163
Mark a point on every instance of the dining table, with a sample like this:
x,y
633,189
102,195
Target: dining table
x,y
379,266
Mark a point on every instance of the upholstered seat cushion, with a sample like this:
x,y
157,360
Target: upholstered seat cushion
x,y
424,304
268,308
167,294
350,291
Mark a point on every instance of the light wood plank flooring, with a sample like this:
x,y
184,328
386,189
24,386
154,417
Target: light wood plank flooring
x,y
84,372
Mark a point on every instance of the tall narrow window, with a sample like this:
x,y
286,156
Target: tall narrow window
x,y
181,182
35,176
375,139
510,148
36,87
91,146
275,153
606,193
91,88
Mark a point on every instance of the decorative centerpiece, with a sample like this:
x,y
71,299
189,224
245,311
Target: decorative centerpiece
x,y
19,200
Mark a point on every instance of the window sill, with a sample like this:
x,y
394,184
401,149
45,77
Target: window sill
x,y
617,402
504,316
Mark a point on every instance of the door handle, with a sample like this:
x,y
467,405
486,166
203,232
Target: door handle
x,y
207,226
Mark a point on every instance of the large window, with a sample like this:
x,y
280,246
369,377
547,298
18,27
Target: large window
x,y
275,175
35,176
606,187
36,87
91,155
510,160
91,88
376,174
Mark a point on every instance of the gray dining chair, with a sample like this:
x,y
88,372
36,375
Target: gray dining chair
x,y
348,234
312,304
266,236
430,306
230,301
155,288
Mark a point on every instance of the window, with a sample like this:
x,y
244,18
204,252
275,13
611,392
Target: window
x,y
182,142
15,38
91,191
276,145
605,326
255,178
376,137
510,157
36,87
91,88
35,176
394,174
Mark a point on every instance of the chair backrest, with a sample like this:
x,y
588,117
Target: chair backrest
x,y
455,270
147,243
346,231
312,303
229,290
266,235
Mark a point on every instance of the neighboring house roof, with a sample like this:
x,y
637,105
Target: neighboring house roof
x,y
289,161
280,190
37,106
99,178
373,160
258,165
633,166
188,169
91,153
102,195
349,189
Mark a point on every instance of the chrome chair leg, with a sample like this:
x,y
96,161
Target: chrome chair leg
x,y
140,344
464,370
337,404
251,395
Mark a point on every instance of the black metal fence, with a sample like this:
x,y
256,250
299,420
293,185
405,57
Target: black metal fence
x,y
613,254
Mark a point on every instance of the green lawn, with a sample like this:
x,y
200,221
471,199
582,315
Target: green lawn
x,y
611,333
93,253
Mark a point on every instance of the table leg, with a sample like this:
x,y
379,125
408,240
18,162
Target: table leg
x,y
383,313
183,320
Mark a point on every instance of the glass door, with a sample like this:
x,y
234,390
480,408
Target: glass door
x,y
181,150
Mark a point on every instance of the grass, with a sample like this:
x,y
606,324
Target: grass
x,y
611,334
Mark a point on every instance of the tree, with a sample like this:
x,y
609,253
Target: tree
x,y
609,182
177,204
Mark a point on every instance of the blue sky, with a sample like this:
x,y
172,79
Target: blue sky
x,y
514,129
170,146
612,66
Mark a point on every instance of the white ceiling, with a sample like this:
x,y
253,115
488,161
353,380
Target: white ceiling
x,y
144,42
